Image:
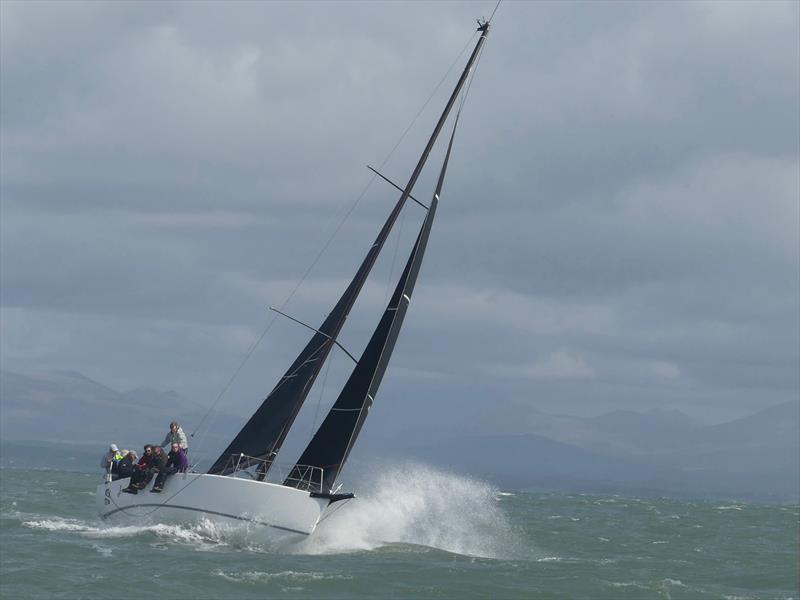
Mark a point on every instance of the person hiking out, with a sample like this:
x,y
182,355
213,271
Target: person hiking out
x,y
158,464
127,466
176,463
110,459
140,475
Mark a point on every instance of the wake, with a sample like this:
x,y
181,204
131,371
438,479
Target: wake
x,y
201,536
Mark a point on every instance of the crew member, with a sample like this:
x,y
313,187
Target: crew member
x,y
110,460
176,434
176,463
140,477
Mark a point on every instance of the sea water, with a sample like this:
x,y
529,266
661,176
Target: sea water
x,y
414,532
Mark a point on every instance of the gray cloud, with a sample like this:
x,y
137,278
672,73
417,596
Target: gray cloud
x,y
620,225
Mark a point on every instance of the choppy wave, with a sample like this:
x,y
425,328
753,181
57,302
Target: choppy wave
x,y
263,576
419,505
661,587
392,541
103,551
626,584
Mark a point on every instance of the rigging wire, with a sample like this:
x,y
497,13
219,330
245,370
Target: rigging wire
x,y
496,6
248,354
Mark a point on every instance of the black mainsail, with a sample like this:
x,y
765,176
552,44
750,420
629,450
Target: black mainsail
x,y
263,435
331,445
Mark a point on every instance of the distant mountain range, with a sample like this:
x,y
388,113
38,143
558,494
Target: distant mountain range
x,y
68,407
659,452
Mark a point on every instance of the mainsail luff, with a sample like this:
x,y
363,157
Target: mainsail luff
x,y
331,444
263,435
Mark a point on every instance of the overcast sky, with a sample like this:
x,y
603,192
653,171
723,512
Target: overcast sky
x,y
619,228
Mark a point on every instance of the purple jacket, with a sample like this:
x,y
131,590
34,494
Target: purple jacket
x,y
178,459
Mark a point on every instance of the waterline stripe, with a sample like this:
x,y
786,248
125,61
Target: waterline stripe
x,y
210,512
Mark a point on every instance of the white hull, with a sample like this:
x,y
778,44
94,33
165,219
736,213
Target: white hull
x,y
194,497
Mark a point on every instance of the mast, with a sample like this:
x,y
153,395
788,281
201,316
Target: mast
x,y
331,444
263,435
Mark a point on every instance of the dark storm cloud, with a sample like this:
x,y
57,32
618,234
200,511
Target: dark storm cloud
x,y
620,225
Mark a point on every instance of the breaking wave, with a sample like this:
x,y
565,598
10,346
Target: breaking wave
x,y
415,504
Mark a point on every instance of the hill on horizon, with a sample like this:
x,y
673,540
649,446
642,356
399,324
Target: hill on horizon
x,y
658,451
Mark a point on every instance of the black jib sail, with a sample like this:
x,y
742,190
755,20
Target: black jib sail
x,y
263,435
331,445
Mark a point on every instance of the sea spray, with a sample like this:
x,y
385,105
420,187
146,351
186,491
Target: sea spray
x,y
417,504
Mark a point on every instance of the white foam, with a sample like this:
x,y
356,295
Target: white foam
x,y
729,507
562,559
419,505
174,532
202,535
57,525
624,584
103,551
263,576
667,584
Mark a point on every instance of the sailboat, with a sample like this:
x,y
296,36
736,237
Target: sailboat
x,y
241,486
